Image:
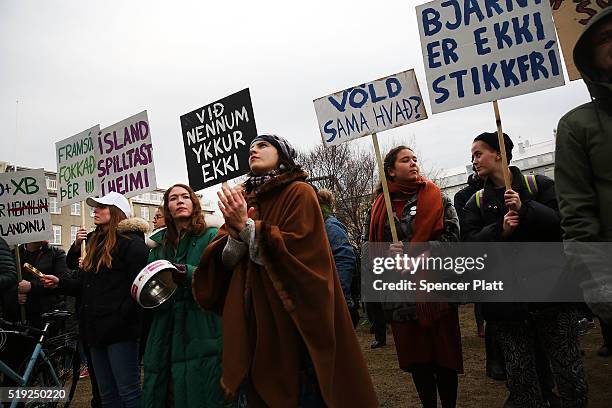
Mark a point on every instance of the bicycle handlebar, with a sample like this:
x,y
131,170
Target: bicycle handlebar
x,y
21,328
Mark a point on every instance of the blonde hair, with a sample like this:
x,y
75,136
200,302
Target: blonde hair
x,y
326,198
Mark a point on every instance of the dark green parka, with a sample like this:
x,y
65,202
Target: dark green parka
x,y
184,340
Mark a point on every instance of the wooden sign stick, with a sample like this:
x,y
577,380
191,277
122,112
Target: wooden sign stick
x,y
502,147
83,244
19,279
383,180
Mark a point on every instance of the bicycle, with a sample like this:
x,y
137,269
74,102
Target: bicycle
x,y
53,363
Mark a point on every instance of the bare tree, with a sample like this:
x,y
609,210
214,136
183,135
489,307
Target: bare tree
x,y
350,174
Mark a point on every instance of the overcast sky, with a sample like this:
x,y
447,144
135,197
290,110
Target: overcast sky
x,y
74,64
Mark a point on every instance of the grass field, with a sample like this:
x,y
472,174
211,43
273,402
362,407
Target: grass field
x,y
395,389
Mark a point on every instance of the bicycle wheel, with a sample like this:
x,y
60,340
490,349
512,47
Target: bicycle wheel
x,y
67,363
40,377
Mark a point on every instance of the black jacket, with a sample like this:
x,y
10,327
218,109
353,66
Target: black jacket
x,y
8,272
463,196
107,312
50,261
539,222
539,215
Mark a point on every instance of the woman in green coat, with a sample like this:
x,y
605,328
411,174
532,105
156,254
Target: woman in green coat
x,y
182,359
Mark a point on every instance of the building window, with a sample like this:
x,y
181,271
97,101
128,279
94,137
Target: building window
x,y
75,209
144,213
51,184
53,207
73,231
57,235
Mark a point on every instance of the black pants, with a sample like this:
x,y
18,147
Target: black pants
x,y
606,332
431,380
376,316
493,354
478,314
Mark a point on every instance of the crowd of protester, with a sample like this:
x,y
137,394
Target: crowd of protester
x,y
263,312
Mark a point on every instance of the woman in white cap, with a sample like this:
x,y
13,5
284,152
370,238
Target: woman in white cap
x,y
109,317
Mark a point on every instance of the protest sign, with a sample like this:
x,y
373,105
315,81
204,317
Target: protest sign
x,y
369,108
217,138
24,207
125,157
570,18
76,167
479,51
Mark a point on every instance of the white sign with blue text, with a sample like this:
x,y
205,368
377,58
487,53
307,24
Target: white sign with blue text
x,y
479,51
370,108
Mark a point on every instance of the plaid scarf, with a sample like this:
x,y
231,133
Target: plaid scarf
x,y
254,182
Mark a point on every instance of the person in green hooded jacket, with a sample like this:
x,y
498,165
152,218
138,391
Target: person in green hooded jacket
x,y
583,173
182,359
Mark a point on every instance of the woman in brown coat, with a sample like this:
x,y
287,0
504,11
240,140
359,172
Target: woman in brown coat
x,y
288,337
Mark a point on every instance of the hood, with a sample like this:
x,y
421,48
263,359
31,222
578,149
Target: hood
x,y
134,224
599,90
154,240
475,182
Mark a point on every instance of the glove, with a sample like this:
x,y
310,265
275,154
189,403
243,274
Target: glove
x,y
179,275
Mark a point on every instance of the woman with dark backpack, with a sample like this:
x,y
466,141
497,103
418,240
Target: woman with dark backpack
x,y
533,337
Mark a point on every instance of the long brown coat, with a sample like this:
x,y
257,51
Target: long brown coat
x,y
271,312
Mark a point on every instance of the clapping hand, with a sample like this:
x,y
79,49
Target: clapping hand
x,y
233,206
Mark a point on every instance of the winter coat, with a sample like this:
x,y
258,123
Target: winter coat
x,y
185,343
107,313
286,311
450,233
462,196
50,261
344,255
583,170
539,222
8,272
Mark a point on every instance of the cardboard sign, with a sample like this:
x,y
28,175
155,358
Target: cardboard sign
x,y
76,167
370,108
24,207
125,157
217,138
479,51
570,18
